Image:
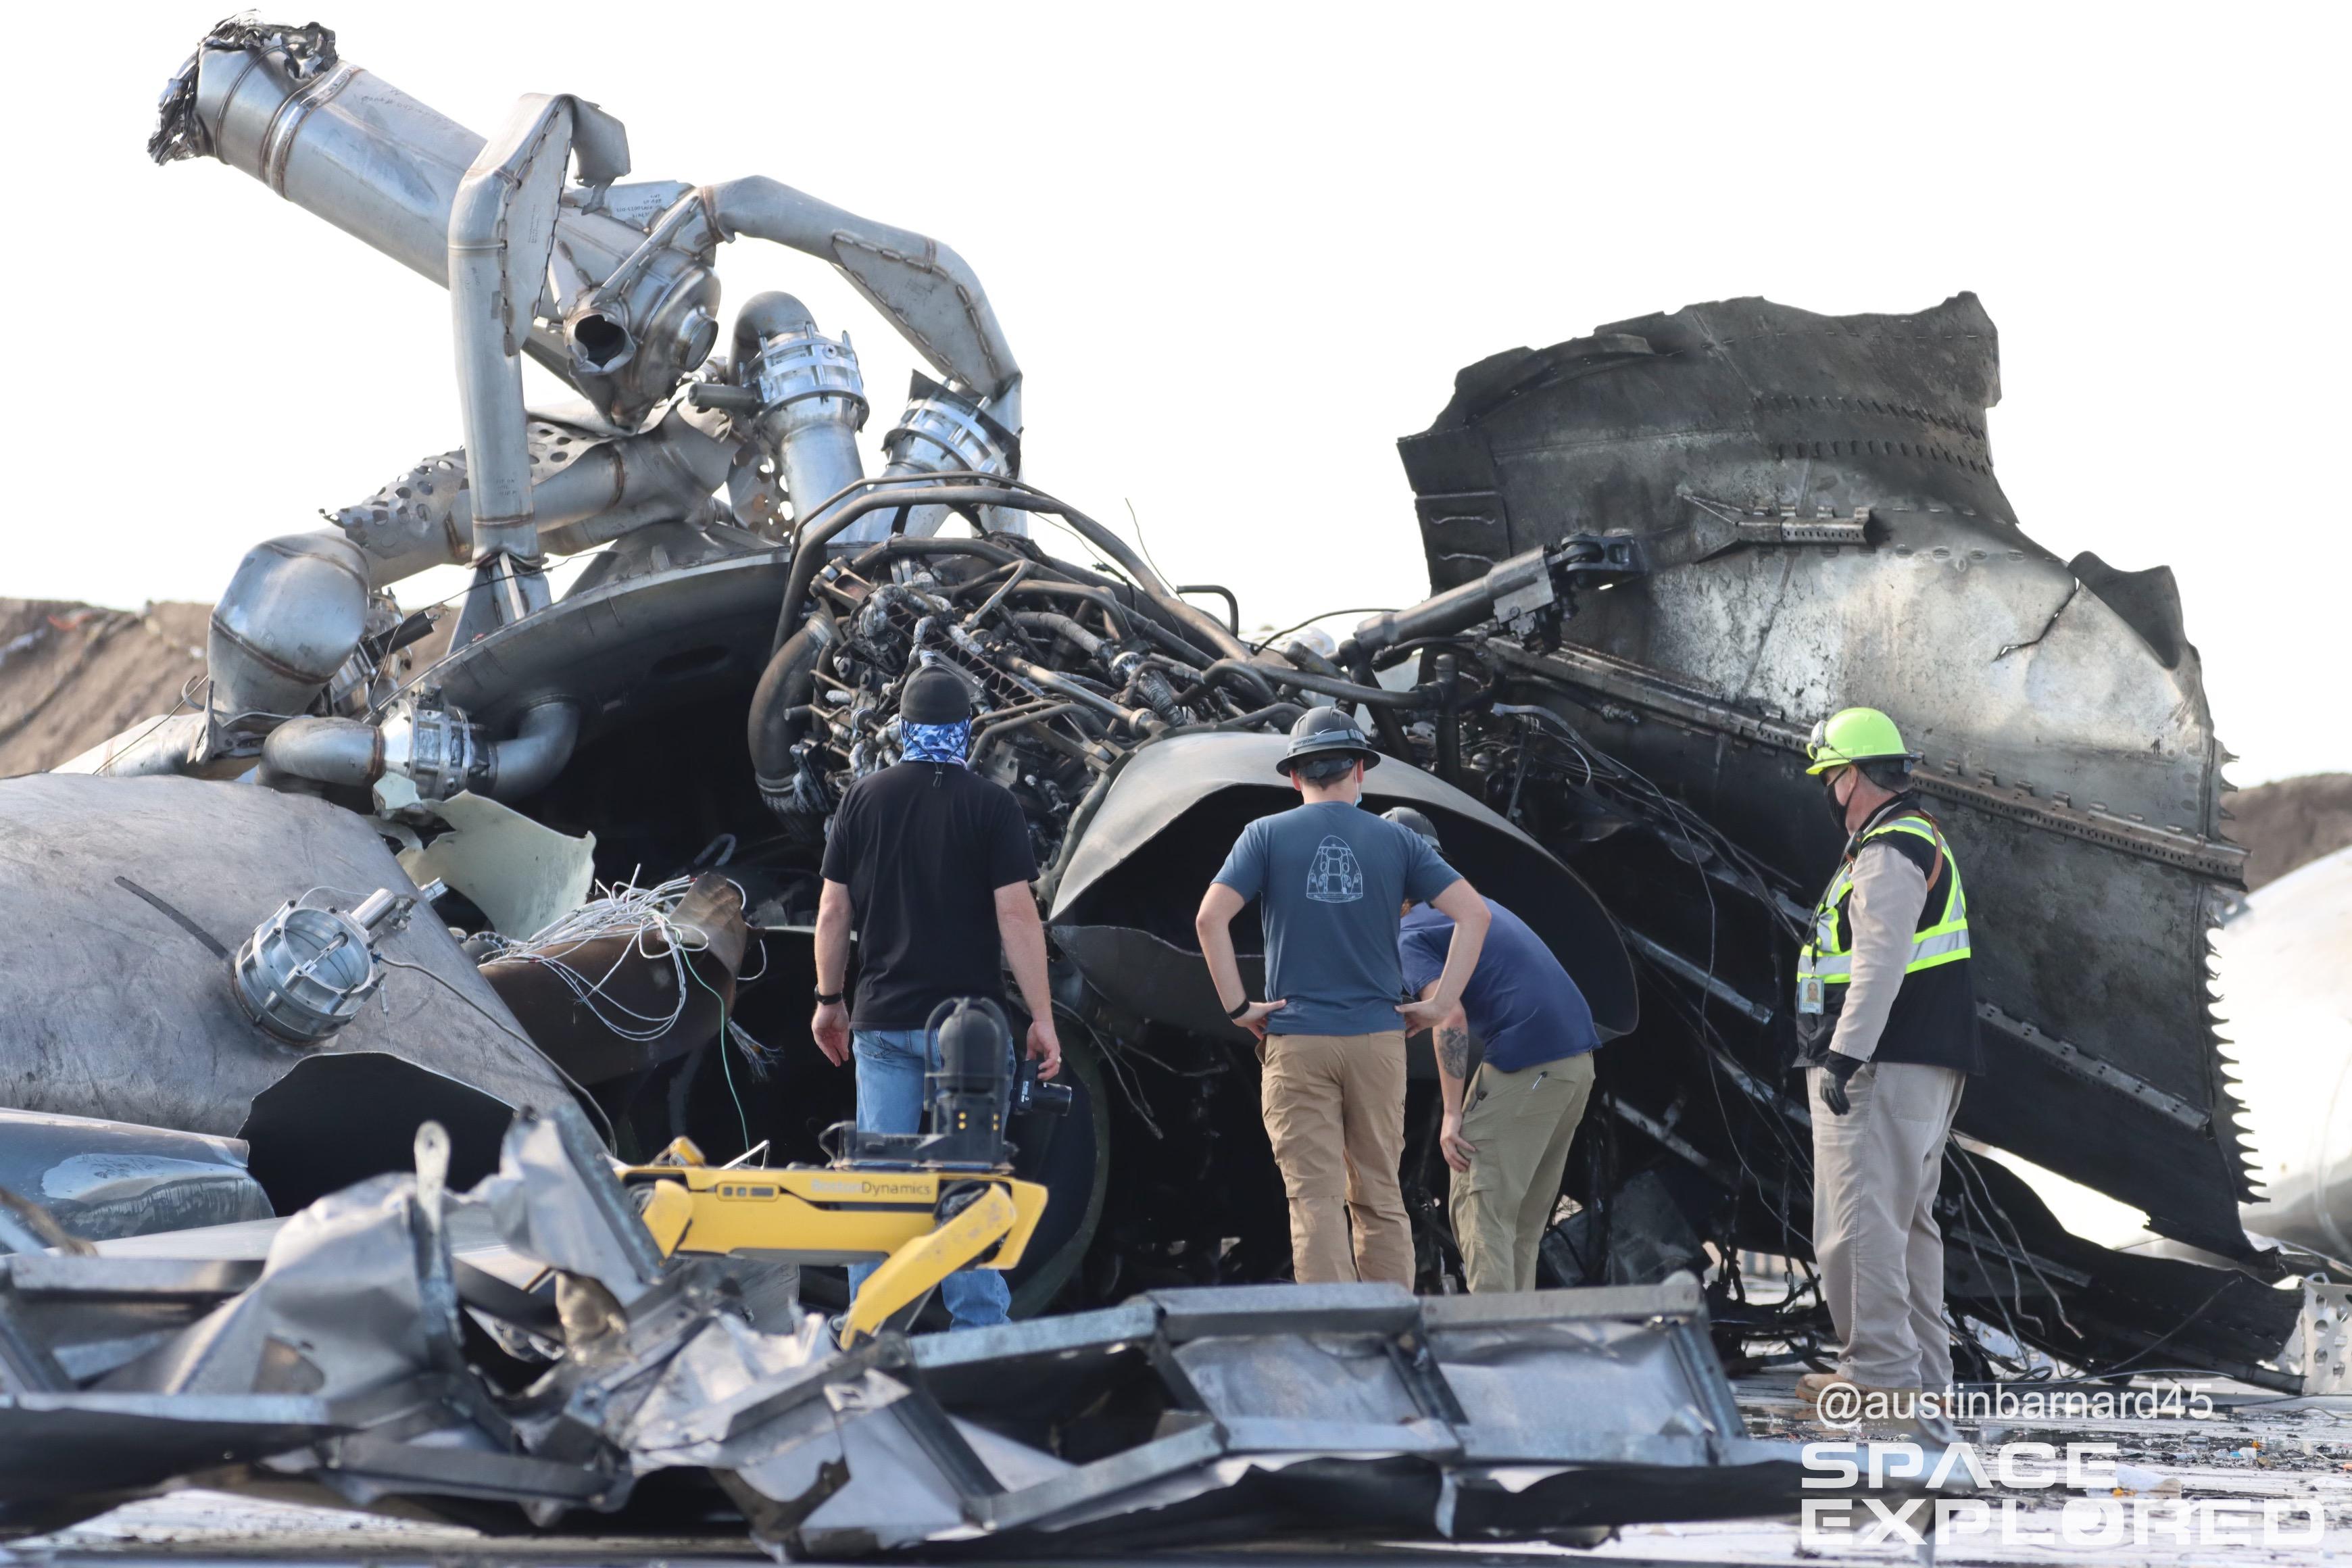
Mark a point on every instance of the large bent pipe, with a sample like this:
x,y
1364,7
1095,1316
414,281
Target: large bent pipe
x,y
342,143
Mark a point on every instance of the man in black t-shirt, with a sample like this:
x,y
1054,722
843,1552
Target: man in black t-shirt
x,y
930,866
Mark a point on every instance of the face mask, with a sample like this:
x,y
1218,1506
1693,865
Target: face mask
x,y
1837,806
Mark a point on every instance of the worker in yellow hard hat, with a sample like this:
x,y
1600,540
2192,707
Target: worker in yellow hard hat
x,y
1887,1022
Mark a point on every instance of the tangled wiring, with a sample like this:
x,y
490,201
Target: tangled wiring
x,y
646,917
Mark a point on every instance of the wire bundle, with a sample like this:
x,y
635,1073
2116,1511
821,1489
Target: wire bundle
x,y
647,918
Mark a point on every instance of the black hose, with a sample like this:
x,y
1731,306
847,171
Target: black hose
x,y
1284,714
1030,588
1374,696
889,549
1088,643
1307,658
777,716
1390,727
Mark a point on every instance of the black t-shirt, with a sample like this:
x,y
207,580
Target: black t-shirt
x,y
922,847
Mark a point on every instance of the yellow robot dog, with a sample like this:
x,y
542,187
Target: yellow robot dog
x,y
927,1203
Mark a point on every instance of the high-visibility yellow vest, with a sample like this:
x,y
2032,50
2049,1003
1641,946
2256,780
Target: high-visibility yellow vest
x,y
1829,957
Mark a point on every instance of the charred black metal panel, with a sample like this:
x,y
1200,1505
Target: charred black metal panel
x,y
2068,750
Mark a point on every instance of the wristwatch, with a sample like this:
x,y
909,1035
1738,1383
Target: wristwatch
x,y
1240,1007
825,1001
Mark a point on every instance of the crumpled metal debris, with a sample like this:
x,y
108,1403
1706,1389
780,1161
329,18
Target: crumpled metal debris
x,y
524,1343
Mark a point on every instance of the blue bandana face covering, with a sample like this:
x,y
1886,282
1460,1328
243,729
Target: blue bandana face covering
x,y
935,742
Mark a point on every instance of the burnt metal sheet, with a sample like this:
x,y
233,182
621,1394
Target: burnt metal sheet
x,y
1174,810
2068,747
620,646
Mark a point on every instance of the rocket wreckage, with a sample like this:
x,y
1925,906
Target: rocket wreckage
x,y
1657,555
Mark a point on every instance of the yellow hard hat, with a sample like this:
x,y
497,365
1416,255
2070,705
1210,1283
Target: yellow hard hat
x,y
1856,735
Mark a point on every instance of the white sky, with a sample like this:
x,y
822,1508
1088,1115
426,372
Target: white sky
x,y
1241,249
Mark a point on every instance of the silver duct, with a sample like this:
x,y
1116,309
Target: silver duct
x,y
342,143
438,752
943,430
924,289
151,748
593,487
502,228
290,617
812,397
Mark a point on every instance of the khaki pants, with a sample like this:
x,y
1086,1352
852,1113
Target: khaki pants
x,y
1875,1172
1520,1123
1334,1111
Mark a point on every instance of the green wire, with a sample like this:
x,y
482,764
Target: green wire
x,y
725,1065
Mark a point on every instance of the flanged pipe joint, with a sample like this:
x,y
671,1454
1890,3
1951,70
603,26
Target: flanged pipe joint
x,y
943,430
812,397
436,749
307,970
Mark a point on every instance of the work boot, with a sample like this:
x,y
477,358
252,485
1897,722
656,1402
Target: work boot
x,y
1809,1386
1870,1400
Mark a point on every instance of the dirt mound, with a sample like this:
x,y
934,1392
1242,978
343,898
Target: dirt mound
x,y
71,675
2291,822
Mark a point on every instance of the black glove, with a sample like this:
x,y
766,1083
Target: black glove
x,y
1836,1067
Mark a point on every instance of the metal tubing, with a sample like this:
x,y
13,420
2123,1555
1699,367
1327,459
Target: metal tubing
x,y
1392,728
1456,609
1233,605
151,748
1371,696
1141,720
1089,643
542,745
773,724
497,249
1448,682
343,751
290,617
812,400
981,740
921,287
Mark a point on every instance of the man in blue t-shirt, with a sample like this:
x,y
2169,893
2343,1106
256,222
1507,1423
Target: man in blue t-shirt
x,y
1329,878
1508,1144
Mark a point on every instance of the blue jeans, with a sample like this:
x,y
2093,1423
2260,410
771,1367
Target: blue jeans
x,y
890,1068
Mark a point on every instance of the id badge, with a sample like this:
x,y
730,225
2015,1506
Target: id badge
x,y
1810,995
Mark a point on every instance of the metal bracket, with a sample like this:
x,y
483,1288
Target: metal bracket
x,y
1630,683
2084,1065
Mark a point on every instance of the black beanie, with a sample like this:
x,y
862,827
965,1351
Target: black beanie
x,y
934,696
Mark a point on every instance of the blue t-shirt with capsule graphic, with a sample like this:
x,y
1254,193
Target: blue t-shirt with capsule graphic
x,y
1330,879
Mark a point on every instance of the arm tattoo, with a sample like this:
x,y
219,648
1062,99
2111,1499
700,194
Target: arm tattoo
x,y
1453,1051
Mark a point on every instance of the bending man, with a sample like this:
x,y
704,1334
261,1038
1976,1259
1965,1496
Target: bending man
x,y
1507,1131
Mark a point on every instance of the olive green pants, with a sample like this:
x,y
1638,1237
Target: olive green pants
x,y
1520,1123
1335,1113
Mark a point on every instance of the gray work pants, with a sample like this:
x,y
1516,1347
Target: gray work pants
x,y
1875,1172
